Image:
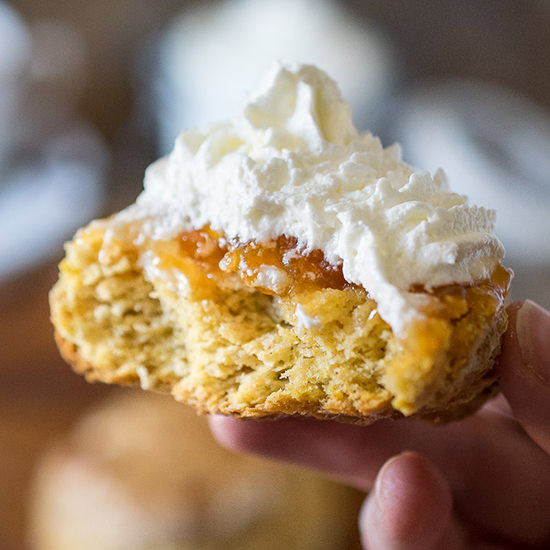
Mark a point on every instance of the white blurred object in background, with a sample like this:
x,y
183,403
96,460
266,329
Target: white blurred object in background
x,y
494,145
52,163
15,55
208,59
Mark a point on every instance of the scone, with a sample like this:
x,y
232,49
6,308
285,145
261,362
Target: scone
x,y
285,264
142,472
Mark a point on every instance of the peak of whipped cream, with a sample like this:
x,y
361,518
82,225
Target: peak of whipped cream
x,y
320,32
292,163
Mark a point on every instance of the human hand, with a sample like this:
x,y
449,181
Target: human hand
x,y
481,483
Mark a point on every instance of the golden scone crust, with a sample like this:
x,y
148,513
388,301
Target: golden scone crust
x,y
237,351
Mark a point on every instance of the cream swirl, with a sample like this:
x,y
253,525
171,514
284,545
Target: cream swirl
x,y
292,163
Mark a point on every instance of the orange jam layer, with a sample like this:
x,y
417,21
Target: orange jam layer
x,y
450,304
205,255
453,299
303,269
277,267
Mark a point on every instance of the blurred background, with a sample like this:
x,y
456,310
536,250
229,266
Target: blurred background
x,y
92,92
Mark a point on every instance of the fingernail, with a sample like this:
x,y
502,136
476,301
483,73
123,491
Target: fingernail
x,y
533,333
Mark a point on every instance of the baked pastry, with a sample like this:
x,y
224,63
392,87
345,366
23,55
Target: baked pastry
x,y
285,264
141,472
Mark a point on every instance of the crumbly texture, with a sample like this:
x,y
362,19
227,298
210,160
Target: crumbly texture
x,y
237,351
142,472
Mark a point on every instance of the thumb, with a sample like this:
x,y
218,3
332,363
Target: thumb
x,y
409,507
524,369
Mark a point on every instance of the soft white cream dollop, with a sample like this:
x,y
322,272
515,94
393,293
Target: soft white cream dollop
x,y
292,163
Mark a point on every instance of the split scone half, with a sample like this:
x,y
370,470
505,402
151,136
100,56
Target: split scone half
x,y
286,264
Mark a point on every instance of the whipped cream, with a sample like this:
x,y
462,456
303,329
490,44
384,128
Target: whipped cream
x,y
292,163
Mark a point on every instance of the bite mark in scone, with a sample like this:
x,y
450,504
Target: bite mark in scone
x,y
338,284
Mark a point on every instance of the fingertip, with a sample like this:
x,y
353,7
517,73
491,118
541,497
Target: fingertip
x,y
528,337
410,482
524,368
532,323
225,431
410,506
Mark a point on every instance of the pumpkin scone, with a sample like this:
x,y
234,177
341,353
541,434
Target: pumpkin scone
x,y
284,263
